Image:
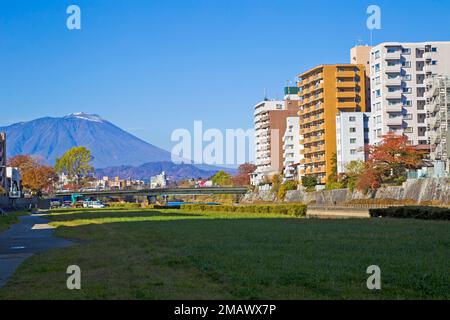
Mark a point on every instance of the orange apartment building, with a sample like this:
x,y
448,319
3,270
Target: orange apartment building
x,y
325,91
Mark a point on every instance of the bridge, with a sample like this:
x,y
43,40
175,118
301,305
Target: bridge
x,y
160,192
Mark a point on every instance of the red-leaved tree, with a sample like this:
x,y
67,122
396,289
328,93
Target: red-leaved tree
x,y
387,161
242,178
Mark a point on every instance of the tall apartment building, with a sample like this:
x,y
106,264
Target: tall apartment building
x,y
401,77
352,135
3,160
324,91
270,126
292,148
361,55
438,108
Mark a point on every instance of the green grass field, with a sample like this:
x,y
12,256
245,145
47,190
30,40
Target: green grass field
x,y
138,254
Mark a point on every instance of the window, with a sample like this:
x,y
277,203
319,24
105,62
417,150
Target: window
x,y
434,62
409,130
378,119
378,106
407,77
353,141
407,90
353,152
408,116
378,93
391,50
406,64
434,49
406,51
352,130
378,133
377,54
352,119
377,80
408,103
377,67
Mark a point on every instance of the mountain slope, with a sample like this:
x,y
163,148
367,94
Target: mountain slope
x,y
50,138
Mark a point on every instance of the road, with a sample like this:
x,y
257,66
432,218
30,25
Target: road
x,y
31,235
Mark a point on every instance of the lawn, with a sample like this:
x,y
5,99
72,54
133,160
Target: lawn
x,y
139,254
10,219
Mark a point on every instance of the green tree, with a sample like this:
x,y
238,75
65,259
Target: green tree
x,y
76,163
221,178
287,186
309,182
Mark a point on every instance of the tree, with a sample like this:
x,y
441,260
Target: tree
x,y
221,178
242,178
75,163
287,186
388,161
36,176
309,182
353,170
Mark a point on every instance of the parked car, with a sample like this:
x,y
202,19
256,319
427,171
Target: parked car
x,y
93,204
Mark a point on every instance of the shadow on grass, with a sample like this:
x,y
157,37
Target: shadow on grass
x,y
113,214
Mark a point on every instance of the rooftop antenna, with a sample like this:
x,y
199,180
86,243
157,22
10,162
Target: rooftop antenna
x,y
265,94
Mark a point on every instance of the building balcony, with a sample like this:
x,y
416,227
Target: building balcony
x,y
345,74
428,68
393,69
434,122
346,84
346,105
394,82
393,56
428,55
396,95
394,108
350,94
397,121
317,87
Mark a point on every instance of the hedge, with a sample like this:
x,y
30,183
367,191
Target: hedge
x,y
412,212
297,210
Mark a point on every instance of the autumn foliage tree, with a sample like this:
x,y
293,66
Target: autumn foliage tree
x,y
387,161
36,176
242,178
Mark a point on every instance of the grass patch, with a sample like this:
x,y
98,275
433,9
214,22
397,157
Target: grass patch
x,y
148,254
10,219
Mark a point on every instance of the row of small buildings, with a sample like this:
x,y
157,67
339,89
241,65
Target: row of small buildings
x,y
336,110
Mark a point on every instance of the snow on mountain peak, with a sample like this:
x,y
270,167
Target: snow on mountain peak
x,y
86,116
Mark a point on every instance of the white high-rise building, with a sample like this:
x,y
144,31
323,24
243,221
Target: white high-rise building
x,y
401,77
291,148
438,108
352,134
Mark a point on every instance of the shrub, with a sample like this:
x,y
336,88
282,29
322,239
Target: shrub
x,y
309,182
292,209
413,212
125,205
287,186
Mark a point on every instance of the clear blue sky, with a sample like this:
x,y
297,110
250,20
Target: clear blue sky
x,y
153,66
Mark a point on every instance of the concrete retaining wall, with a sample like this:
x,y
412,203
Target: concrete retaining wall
x,y
420,190
22,203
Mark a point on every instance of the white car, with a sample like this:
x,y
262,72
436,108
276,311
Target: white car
x,y
93,204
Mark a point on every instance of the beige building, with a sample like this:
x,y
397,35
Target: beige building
x,y
361,55
3,160
270,126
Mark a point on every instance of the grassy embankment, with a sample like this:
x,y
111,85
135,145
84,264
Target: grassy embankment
x,y
147,254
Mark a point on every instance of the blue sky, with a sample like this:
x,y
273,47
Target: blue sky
x,y
155,66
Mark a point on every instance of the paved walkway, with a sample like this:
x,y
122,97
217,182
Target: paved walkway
x,y
31,235
338,214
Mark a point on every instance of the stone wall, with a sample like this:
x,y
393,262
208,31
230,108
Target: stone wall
x,y
419,190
